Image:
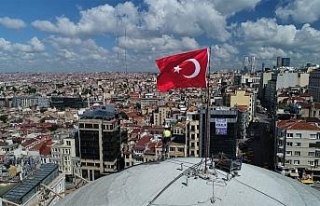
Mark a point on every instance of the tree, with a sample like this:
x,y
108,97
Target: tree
x,y
4,118
123,115
43,109
138,105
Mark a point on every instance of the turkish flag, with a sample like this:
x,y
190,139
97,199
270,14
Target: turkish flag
x,y
183,70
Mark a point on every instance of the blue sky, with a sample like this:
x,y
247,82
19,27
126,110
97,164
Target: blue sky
x,y
115,35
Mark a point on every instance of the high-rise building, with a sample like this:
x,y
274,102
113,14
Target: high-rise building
x,y
252,64
279,62
285,62
98,143
314,85
246,63
223,131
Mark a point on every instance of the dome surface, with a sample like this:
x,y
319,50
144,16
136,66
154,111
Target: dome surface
x,y
181,181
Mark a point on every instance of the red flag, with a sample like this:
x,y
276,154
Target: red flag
x,y
183,70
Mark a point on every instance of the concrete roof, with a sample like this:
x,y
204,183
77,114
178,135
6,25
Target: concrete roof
x,y
164,183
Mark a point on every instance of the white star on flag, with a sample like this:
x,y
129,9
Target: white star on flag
x,y
177,69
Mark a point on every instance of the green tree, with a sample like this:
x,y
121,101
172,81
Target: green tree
x,y
43,109
123,115
4,118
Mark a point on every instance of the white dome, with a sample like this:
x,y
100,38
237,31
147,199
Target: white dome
x,y
164,183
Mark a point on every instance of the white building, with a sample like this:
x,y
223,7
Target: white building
x,y
62,154
299,146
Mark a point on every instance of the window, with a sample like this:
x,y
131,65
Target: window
x,y
311,154
68,143
313,136
296,162
181,149
288,162
311,163
172,149
289,144
297,153
297,144
298,135
289,135
289,153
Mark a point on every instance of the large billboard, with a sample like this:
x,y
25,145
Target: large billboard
x,y
221,126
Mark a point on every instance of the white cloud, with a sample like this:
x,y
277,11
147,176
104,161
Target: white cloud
x,y
81,48
19,56
230,7
267,31
186,18
163,43
12,23
98,20
303,11
183,18
34,46
37,45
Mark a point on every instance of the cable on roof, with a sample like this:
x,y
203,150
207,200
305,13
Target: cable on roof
x,y
175,179
265,194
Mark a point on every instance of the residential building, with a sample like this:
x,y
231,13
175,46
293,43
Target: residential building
x,y
192,133
62,154
242,97
298,146
160,115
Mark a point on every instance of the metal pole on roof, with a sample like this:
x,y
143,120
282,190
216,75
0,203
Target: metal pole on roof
x,y
9,202
207,115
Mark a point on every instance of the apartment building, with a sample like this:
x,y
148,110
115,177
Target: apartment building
x,y
160,115
192,133
63,153
298,146
242,97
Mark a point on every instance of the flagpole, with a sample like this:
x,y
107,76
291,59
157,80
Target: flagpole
x,y
207,114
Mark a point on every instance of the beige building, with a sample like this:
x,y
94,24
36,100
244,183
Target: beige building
x,y
160,115
242,97
63,153
176,150
192,134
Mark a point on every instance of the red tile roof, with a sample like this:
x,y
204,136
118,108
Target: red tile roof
x,y
142,142
297,125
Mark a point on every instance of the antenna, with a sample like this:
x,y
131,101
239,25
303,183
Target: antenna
x,y
125,49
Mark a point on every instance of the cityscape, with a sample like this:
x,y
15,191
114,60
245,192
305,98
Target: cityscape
x,y
159,103
85,126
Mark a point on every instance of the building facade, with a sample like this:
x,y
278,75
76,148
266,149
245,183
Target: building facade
x,y
314,85
63,153
223,131
298,146
98,143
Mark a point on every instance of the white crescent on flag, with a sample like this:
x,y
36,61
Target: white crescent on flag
x,y
196,69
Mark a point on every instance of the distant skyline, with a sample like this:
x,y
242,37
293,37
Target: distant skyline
x,y
117,35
